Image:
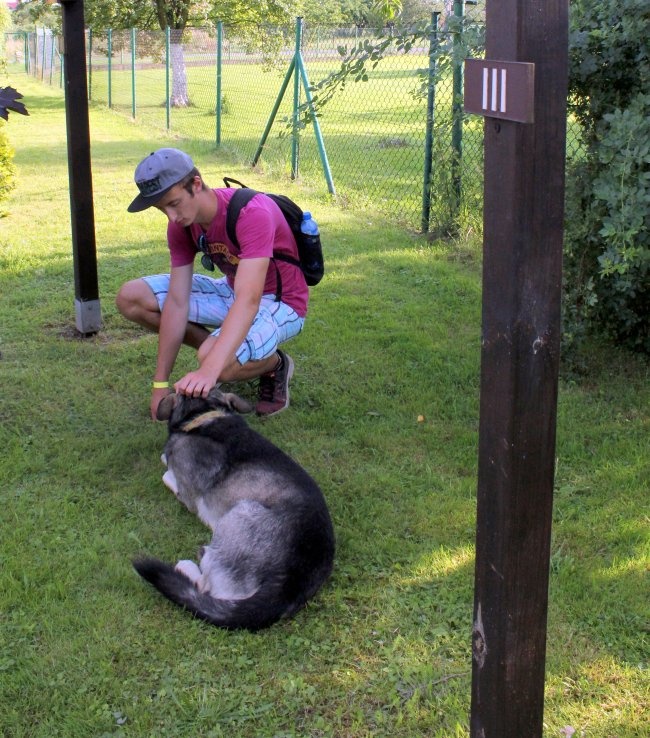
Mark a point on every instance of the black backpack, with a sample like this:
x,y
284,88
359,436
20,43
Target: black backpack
x,y
309,248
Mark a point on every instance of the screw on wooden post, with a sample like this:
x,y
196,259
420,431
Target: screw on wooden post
x,y
525,131
82,216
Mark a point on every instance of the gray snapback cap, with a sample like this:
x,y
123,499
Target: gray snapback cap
x,y
157,174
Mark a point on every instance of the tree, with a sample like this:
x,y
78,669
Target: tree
x,y
5,24
37,13
335,12
249,17
388,9
174,14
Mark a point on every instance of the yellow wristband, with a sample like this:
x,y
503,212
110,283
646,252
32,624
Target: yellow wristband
x,y
160,385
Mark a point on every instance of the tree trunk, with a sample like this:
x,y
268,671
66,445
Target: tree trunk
x,y
173,14
179,96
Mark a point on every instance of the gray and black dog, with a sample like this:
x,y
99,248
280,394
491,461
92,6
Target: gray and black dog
x,y
273,543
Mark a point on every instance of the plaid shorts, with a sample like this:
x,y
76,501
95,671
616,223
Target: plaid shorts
x,y
210,301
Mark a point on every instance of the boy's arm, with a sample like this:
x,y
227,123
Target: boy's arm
x,y
219,353
173,324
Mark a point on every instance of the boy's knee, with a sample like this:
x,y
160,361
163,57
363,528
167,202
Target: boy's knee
x,y
129,297
122,299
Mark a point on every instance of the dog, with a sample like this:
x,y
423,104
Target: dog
x,y
273,543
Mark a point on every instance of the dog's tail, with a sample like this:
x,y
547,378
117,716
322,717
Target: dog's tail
x,y
265,607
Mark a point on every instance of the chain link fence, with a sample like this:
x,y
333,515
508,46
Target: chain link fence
x,y
391,137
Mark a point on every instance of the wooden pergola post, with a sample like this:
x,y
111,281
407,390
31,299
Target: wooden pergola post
x,y
82,215
523,234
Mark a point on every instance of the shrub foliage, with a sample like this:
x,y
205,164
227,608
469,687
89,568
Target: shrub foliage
x,y
8,101
7,169
607,252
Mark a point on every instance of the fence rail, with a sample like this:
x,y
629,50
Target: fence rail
x,y
396,139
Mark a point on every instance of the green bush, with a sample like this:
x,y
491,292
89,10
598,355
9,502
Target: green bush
x,y
622,192
607,244
7,169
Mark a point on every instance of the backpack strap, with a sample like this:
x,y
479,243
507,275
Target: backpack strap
x,y
228,180
288,259
239,199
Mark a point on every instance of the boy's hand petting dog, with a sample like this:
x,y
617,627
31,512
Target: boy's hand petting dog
x,y
196,384
157,394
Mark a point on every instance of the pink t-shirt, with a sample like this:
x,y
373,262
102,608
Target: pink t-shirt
x,y
261,231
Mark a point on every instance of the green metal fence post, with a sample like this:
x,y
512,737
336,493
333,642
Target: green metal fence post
x,y
133,72
295,143
317,132
274,112
428,139
109,51
26,52
218,107
457,109
90,65
167,64
297,66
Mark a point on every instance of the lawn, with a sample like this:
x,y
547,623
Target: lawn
x,y
384,415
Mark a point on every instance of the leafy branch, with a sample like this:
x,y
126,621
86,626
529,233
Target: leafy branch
x,y
461,38
9,101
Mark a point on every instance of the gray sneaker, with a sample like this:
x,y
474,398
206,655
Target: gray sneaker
x,y
273,390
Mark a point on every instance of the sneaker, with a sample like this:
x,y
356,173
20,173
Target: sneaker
x,y
273,390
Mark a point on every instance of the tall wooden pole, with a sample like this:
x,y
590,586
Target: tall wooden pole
x,y
523,232
82,215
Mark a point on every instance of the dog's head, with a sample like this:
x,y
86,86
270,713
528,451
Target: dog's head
x,y
177,408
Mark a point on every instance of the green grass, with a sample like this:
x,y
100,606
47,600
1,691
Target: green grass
x,y
385,648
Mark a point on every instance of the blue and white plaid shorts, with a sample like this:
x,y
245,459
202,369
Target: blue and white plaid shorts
x,y
210,301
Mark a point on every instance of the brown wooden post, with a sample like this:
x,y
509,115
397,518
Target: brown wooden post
x,y
82,215
523,232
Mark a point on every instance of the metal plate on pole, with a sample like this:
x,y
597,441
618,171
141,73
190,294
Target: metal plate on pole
x,y
500,89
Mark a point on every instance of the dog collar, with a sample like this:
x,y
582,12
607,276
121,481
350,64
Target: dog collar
x,y
202,419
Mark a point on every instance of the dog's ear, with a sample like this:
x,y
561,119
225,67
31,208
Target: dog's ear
x,y
167,404
235,402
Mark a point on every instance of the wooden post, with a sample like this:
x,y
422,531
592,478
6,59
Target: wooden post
x,y
523,232
82,215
